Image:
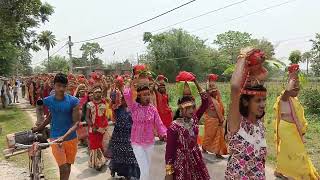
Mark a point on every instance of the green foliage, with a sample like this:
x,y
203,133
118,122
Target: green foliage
x,y
18,20
57,64
316,55
47,40
295,57
89,55
264,45
311,98
231,42
90,50
176,50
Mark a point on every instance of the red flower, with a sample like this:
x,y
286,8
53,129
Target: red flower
x,y
255,56
82,80
213,77
293,68
120,80
138,68
71,77
185,76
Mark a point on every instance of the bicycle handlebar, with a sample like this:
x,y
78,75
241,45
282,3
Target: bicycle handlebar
x,y
41,145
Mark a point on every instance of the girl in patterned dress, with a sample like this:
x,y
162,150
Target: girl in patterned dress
x,y
97,122
123,161
246,131
183,156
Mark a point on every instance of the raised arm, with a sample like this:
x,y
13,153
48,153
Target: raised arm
x,y
237,80
127,94
204,101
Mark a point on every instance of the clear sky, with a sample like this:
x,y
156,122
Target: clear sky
x,y
83,19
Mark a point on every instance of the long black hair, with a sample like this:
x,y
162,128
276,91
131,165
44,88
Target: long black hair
x,y
244,110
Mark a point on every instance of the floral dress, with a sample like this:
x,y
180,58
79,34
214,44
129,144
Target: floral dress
x,y
182,150
248,149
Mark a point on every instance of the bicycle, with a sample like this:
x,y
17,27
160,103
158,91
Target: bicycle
x,y
35,157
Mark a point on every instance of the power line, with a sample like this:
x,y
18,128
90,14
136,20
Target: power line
x,y
50,55
189,19
143,22
236,18
248,14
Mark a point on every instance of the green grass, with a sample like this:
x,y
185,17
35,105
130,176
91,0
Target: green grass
x,y
274,89
14,120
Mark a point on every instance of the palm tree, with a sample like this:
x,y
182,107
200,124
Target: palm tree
x,y
47,40
306,57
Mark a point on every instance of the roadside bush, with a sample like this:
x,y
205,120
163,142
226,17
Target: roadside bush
x,y
311,100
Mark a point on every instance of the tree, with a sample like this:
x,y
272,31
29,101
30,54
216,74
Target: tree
x,y
38,70
47,40
231,42
57,64
315,50
90,51
295,57
306,57
18,20
265,45
175,50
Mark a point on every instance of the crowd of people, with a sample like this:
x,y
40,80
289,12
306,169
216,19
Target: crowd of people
x,y
9,91
79,109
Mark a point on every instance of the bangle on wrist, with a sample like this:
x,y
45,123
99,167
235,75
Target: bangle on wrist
x,y
169,169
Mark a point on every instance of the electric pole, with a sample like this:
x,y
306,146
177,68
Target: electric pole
x,y
70,54
138,58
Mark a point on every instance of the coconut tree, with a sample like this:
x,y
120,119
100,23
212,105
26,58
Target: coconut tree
x,y
306,57
47,40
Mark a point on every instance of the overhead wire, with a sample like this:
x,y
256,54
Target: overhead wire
x,y
138,24
186,20
236,18
245,15
50,55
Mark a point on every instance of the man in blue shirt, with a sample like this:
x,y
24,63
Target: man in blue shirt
x,y
64,118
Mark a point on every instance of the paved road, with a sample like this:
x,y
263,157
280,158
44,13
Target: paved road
x,y
80,169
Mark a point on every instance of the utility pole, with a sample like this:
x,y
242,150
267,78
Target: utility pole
x,y
70,54
138,58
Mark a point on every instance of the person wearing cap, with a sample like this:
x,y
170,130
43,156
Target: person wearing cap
x,y
246,131
293,161
97,125
162,99
123,161
145,118
183,156
214,118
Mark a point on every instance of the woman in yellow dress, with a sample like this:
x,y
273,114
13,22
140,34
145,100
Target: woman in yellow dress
x,y
293,161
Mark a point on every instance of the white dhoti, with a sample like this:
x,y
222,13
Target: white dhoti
x,y
143,156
